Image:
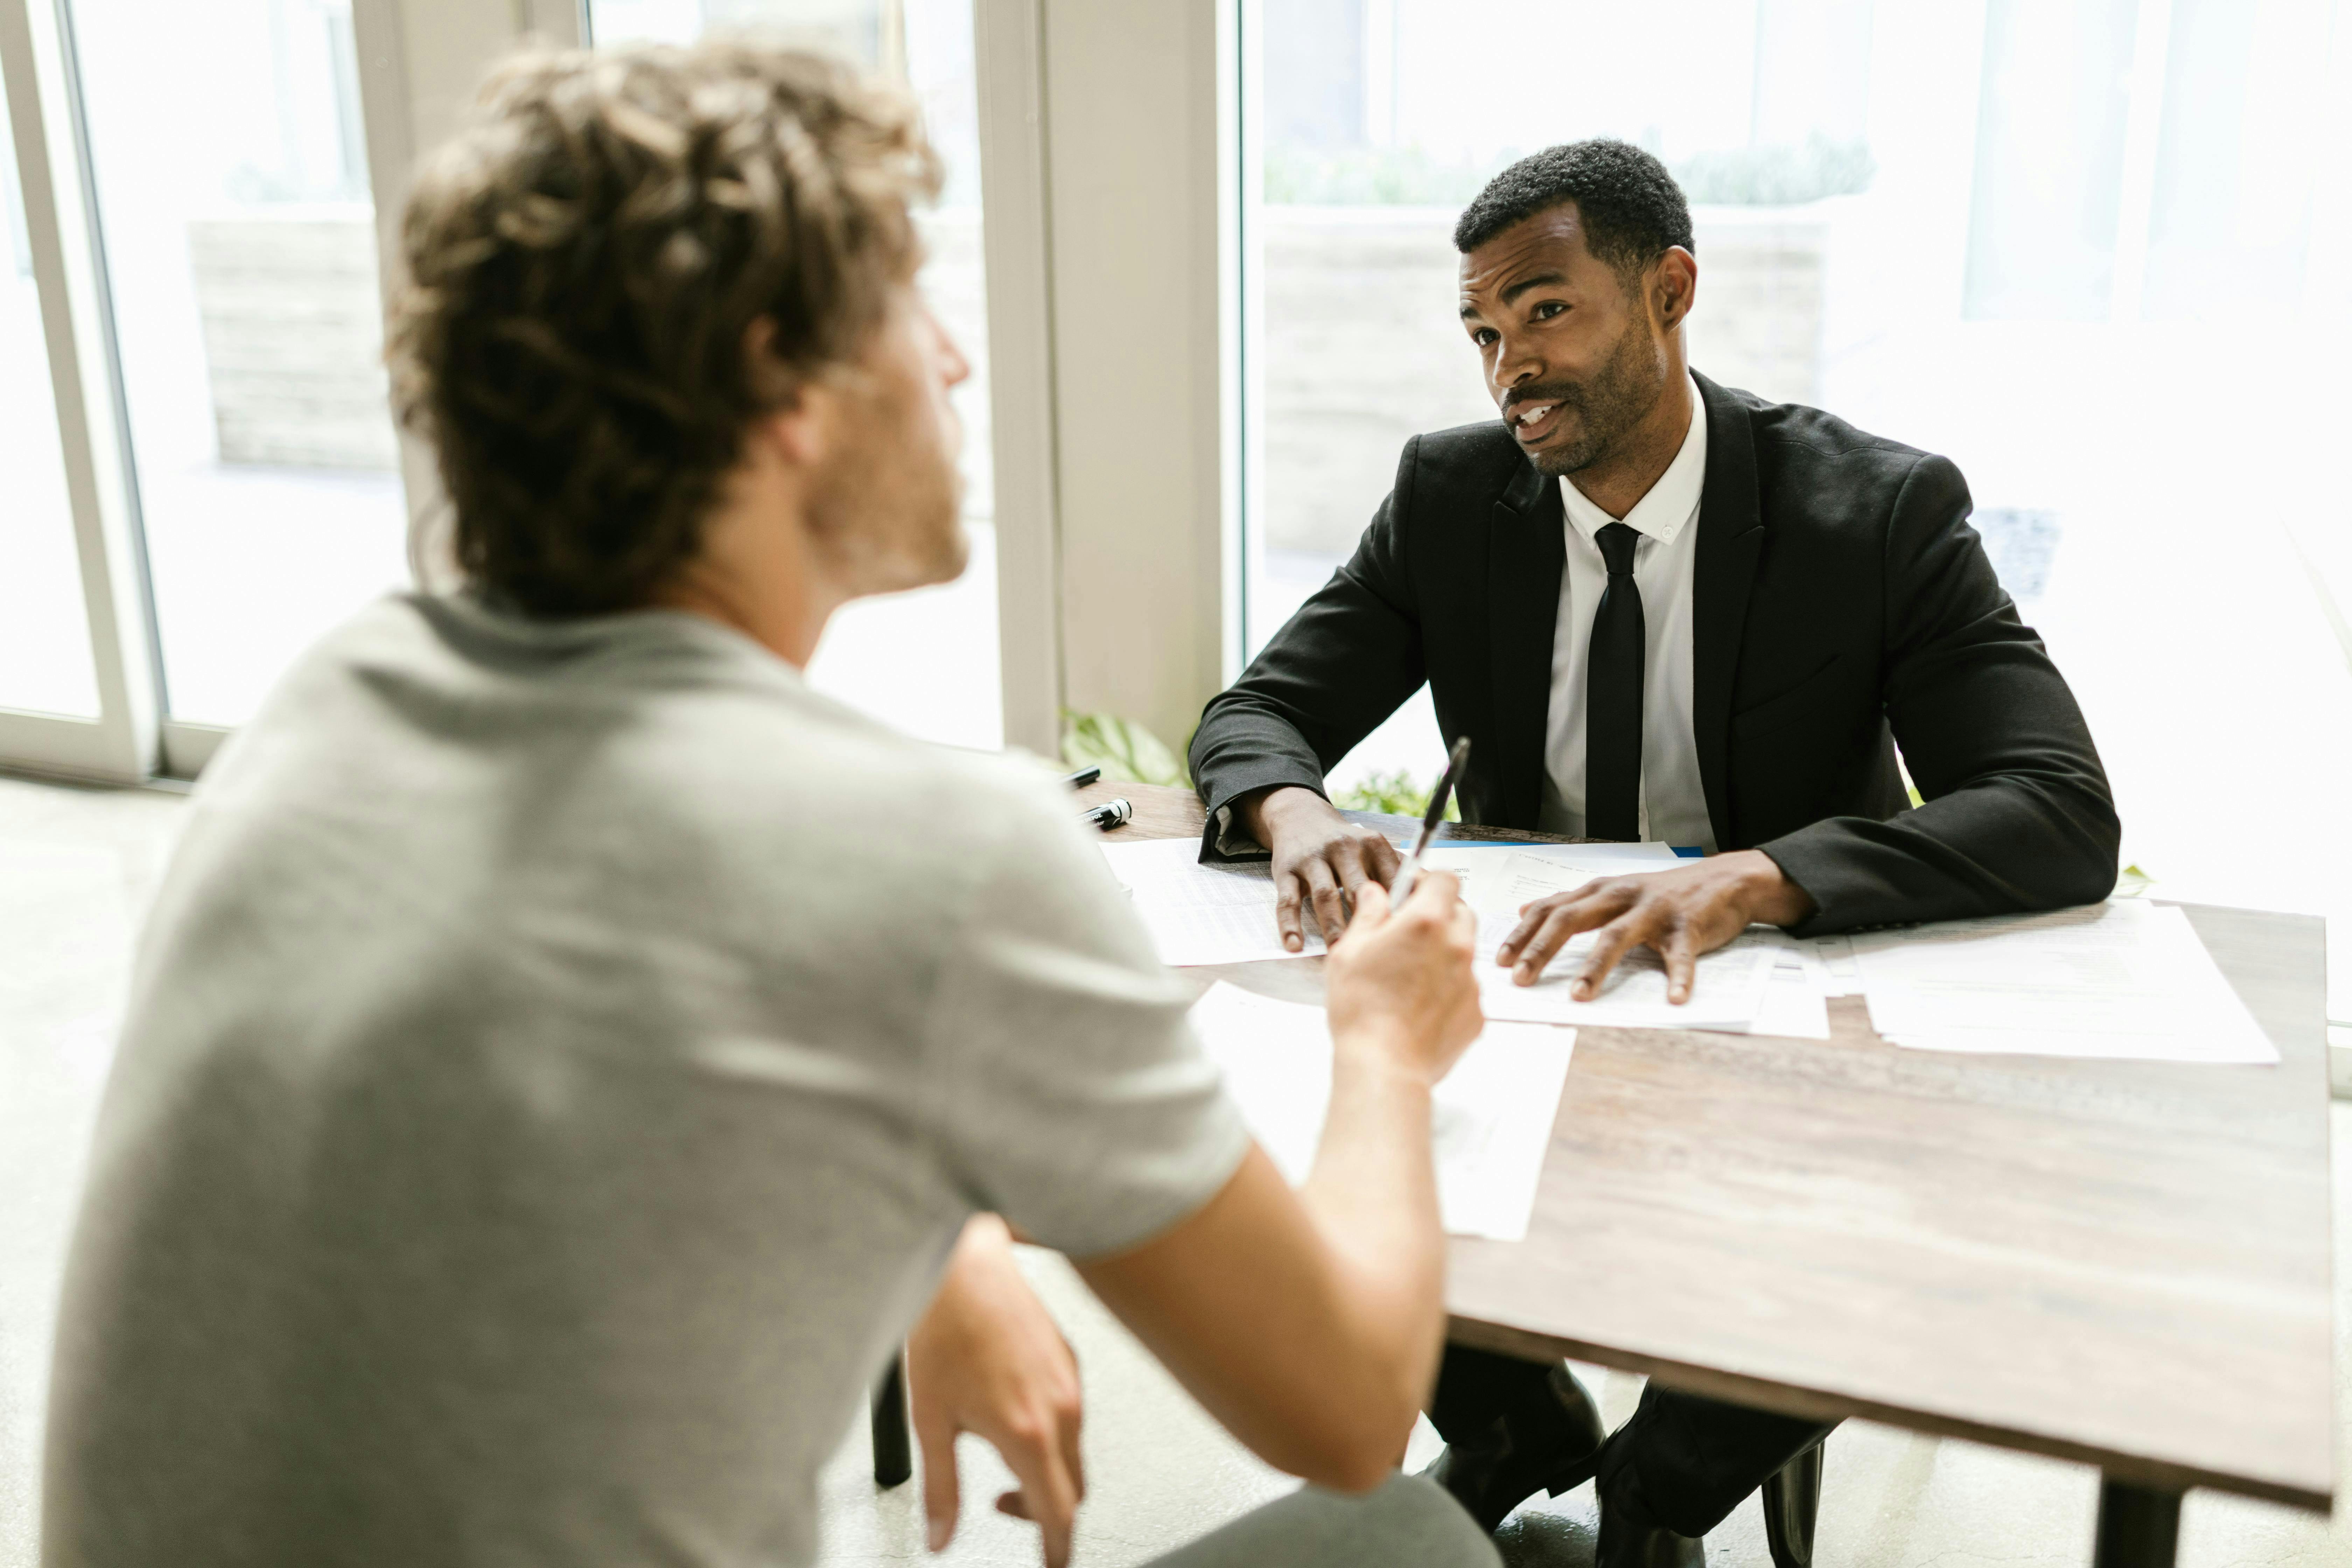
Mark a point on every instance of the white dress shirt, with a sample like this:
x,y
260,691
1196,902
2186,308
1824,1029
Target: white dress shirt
x,y
1674,804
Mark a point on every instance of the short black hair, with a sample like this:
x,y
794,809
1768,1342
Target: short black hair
x,y
1631,209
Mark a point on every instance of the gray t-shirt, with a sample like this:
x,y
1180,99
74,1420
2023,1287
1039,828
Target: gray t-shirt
x,y
560,1059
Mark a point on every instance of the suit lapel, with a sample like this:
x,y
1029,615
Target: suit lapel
x,y
1524,559
1730,545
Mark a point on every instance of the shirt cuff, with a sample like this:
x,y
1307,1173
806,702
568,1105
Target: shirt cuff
x,y
1230,842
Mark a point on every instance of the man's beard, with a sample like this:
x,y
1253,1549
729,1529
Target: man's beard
x,y
888,509
1612,401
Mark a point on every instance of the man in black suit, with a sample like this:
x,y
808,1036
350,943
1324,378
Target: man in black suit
x,y
1661,609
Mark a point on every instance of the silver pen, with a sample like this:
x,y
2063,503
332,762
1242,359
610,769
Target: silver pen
x,y
1430,823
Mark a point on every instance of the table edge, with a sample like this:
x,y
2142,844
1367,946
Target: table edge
x,y
1829,1404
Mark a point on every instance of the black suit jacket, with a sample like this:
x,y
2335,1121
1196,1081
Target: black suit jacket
x,y
1841,606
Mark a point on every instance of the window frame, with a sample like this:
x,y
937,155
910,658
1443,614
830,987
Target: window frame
x,y
122,745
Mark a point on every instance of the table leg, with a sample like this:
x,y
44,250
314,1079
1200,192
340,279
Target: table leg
x,y
2139,1527
894,1456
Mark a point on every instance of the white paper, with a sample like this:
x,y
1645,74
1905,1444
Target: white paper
x,y
1484,862
1203,914
1727,989
1844,975
1491,1118
1796,1002
1224,914
2125,978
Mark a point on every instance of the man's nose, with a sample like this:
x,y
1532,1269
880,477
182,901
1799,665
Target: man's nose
x,y
954,369
1515,363
947,357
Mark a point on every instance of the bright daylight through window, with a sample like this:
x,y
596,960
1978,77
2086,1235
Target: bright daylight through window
x,y
240,246
241,258
924,661
2083,248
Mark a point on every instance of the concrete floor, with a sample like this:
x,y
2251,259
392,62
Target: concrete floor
x,y
76,866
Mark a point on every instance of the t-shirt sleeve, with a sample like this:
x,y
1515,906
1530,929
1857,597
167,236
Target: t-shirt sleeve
x,y
1071,1096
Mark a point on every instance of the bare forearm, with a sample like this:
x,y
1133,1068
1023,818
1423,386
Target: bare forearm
x,y
1310,1322
1373,1190
1373,1195
1314,1341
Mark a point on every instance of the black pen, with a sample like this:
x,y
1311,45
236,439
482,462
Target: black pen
x,y
1082,777
1438,798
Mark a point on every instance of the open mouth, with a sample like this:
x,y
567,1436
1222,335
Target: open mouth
x,y
1534,421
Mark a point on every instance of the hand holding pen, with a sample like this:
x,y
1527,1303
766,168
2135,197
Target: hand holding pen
x,y
1430,823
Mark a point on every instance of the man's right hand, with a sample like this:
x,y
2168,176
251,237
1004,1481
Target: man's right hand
x,y
1319,857
1309,1322
1401,983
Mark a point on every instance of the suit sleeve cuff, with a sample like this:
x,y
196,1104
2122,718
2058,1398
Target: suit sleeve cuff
x,y
1810,858
1225,838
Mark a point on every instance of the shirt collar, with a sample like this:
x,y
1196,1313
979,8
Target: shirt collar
x,y
1670,504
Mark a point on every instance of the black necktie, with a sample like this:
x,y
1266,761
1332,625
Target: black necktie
x,y
1612,697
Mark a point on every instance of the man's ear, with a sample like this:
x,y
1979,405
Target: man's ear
x,y
795,423
798,430
1673,285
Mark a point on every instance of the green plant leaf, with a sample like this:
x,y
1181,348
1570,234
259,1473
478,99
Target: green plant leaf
x,y
1122,748
1398,794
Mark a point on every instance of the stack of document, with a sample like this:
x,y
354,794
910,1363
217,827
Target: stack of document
x,y
1840,975
1762,984
1490,1119
2125,978
1797,1002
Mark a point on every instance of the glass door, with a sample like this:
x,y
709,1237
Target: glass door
x,y
193,416
239,264
925,661
76,681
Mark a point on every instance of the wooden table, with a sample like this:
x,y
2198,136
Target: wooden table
x,y
2121,1263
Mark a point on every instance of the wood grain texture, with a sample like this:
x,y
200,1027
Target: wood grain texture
x,y
2121,1263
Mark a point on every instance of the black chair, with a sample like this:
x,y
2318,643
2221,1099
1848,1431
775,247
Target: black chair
x,y
894,1455
1792,1497
1792,1501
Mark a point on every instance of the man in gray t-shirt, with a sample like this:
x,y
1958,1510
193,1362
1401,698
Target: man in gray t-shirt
x,y
569,1055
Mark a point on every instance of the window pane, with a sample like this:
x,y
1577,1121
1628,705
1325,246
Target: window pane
x,y
44,659
240,249
2051,123
925,661
1960,229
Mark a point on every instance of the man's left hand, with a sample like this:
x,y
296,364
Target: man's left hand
x,y
987,1359
1677,914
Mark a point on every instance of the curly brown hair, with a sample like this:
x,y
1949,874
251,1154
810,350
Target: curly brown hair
x,y
585,261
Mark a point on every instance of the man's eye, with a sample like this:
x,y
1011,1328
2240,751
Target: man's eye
x,y
1548,309
1483,336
